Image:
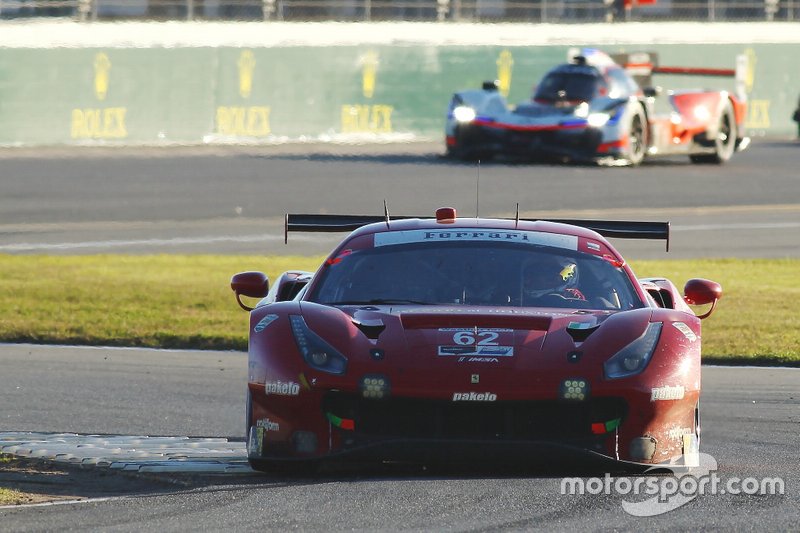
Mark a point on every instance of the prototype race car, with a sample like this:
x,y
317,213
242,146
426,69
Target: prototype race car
x,y
596,109
443,338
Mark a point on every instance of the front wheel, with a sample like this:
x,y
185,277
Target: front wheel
x,y
697,423
301,468
466,147
724,142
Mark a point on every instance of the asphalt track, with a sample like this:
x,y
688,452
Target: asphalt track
x,y
750,420
231,200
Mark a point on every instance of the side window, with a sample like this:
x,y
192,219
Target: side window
x,y
602,86
495,107
620,85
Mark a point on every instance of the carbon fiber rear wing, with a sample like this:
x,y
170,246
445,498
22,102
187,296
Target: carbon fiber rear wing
x,y
642,65
619,229
331,223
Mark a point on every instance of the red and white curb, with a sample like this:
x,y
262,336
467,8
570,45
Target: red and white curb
x,y
131,453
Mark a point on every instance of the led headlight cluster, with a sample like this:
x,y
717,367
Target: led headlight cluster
x,y
596,119
315,351
575,389
633,358
374,386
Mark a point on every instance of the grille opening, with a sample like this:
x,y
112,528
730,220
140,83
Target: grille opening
x,y
441,419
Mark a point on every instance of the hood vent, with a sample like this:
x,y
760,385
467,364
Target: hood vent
x,y
580,331
371,328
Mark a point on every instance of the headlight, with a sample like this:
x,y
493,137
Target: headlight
x,y
582,110
633,358
315,351
463,113
597,120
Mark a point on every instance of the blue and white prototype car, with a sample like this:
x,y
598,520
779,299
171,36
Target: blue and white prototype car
x,y
596,109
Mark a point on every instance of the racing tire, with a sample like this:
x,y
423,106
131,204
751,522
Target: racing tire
x,y
697,426
248,413
288,468
725,141
462,150
457,150
637,137
307,468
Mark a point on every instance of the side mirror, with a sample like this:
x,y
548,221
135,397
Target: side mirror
x,y
699,291
652,92
252,284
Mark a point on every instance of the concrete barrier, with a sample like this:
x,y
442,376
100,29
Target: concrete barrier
x,y
160,91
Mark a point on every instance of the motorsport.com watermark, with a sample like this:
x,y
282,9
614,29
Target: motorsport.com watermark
x,y
668,492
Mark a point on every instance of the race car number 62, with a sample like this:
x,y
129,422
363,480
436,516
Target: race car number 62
x,y
466,338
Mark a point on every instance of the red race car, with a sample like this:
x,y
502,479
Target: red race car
x,y
448,338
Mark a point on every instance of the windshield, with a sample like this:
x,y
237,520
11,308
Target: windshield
x,y
474,273
567,86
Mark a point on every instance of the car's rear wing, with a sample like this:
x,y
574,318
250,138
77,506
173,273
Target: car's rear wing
x,y
620,229
642,65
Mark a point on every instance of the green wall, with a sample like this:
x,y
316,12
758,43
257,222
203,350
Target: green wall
x,y
195,95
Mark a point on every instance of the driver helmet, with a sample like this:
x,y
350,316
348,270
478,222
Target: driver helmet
x,y
550,274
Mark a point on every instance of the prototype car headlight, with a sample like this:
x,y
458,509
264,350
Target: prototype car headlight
x,y
463,113
598,120
582,110
633,358
315,351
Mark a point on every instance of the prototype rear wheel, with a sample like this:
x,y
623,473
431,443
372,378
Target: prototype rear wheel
x,y
637,137
725,141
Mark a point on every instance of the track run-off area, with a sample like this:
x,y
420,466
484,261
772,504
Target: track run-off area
x,y
218,200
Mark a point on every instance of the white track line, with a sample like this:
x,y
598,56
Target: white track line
x,y
178,241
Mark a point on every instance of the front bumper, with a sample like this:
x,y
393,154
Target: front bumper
x,y
335,424
580,144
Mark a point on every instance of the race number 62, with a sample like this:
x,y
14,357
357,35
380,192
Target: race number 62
x,y
477,338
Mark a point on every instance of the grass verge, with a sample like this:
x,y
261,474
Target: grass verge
x,y
185,301
11,496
